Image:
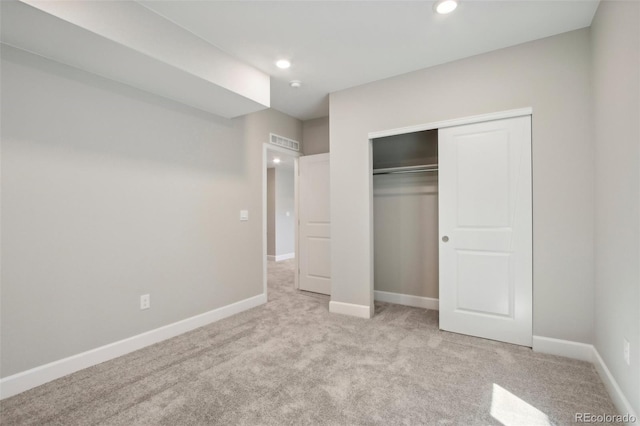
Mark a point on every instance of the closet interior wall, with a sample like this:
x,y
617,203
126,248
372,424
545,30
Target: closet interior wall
x,y
405,212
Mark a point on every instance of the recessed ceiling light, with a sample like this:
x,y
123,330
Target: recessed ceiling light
x,y
276,160
283,64
445,6
295,84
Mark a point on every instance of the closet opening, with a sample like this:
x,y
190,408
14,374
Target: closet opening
x,y
451,226
405,218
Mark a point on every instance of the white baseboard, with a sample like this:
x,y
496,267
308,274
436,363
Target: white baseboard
x,y
406,299
280,257
285,256
360,311
20,382
575,350
587,352
617,396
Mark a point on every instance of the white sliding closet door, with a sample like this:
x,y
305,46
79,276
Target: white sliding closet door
x,y
485,221
315,224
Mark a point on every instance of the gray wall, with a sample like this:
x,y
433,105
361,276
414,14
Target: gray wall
x,y
285,203
272,121
615,38
552,76
109,193
405,212
271,211
315,136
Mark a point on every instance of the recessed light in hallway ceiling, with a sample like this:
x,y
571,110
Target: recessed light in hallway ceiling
x,y
445,6
283,64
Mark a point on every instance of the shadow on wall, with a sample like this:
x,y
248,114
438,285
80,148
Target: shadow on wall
x,y
81,124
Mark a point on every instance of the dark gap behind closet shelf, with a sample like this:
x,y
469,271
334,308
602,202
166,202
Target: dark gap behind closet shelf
x,y
410,149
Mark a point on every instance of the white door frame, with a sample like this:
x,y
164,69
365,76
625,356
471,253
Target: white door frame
x,y
419,128
269,147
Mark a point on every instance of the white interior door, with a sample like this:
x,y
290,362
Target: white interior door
x,y
484,173
315,224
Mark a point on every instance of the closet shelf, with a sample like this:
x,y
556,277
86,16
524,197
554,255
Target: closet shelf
x,y
407,169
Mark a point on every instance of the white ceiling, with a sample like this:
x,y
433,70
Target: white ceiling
x,y
127,42
334,45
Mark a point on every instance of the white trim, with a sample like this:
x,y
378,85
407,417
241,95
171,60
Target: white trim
x,y
406,300
280,257
296,228
587,352
617,396
20,382
285,256
575,350
360,311
264,217
454,122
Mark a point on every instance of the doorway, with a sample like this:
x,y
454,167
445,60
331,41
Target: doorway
x,y
279,201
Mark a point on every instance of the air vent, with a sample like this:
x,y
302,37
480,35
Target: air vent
x,y
284,142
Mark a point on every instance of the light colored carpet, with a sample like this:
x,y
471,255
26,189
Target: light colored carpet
x,y
291,362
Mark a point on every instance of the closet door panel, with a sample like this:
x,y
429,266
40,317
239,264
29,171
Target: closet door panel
x,y
483,180
482,273
486,230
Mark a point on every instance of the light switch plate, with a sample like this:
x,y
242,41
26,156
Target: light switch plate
x,y
244,215
626,351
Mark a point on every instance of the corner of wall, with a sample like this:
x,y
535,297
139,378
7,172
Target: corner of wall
x,y
615,81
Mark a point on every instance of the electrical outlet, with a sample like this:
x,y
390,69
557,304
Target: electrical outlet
x,y
626,351
145,301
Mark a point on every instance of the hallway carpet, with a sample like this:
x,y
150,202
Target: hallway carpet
x,y
290,362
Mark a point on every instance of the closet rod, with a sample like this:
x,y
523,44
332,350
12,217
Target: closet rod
x,y
407,169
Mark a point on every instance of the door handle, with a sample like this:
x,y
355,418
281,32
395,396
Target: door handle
x,y
445,239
